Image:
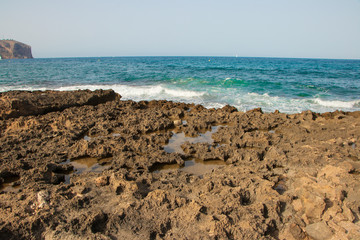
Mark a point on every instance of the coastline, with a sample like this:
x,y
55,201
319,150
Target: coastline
x,y
287,85
285,176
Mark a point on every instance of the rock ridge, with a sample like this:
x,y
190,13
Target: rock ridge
x,y
14,104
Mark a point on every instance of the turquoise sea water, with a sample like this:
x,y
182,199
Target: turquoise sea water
x,y
288,85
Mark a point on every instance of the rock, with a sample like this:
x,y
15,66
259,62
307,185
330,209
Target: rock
x,y
177,122
308,115
348,214
14,104
351,228
314,207
332,173
44,135
347,166
255,110
293,232
102,181
229,109
43,198
57,178
10,49
319,231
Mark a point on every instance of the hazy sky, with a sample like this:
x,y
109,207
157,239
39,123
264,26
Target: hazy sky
x,y
258,28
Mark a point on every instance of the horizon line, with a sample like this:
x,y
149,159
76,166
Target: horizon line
x,y
209,56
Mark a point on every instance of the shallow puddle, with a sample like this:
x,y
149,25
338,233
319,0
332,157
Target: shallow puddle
x,y
10,184
193,166
87,138
178,139
87,164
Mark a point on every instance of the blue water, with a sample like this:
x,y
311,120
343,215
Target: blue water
x,y
288,85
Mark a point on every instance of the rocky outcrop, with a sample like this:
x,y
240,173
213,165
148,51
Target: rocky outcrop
x,y
21,103
10,49
282,176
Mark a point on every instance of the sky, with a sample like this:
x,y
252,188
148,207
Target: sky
x,y
247,28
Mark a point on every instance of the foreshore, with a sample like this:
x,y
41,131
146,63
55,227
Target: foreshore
x,y
271,175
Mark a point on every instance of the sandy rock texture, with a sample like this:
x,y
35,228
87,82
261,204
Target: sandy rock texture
x,y
282,176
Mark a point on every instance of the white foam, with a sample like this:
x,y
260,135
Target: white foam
x,y
214,105
126,91
214,97
22,88
337,104
138,93
270,103
295,105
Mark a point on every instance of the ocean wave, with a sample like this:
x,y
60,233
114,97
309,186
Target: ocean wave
x,y
142,92
214,97
337,103
292,105
22,88
126,91
269,103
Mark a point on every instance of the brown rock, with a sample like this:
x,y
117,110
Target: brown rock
x,y
297,232
310,160
102,181
314,207
10,49
23,103
177,122
229,109
319,231
255,110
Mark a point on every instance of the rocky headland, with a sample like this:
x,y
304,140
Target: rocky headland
x,y
87,165
10,49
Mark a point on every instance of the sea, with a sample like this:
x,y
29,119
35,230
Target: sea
x,y
284,84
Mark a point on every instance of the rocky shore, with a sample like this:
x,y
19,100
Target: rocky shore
x,y
87,165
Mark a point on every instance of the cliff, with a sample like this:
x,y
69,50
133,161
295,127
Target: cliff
x,y
10,49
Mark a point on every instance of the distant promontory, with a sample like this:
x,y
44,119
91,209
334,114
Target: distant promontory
x,y
11,49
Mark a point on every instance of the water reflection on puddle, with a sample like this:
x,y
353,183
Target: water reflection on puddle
x,y
87,164
178,139
10,184
193,166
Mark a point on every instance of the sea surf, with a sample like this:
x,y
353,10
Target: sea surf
x,y
287,85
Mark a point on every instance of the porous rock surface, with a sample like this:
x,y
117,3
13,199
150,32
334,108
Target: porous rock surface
x,y
286,176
